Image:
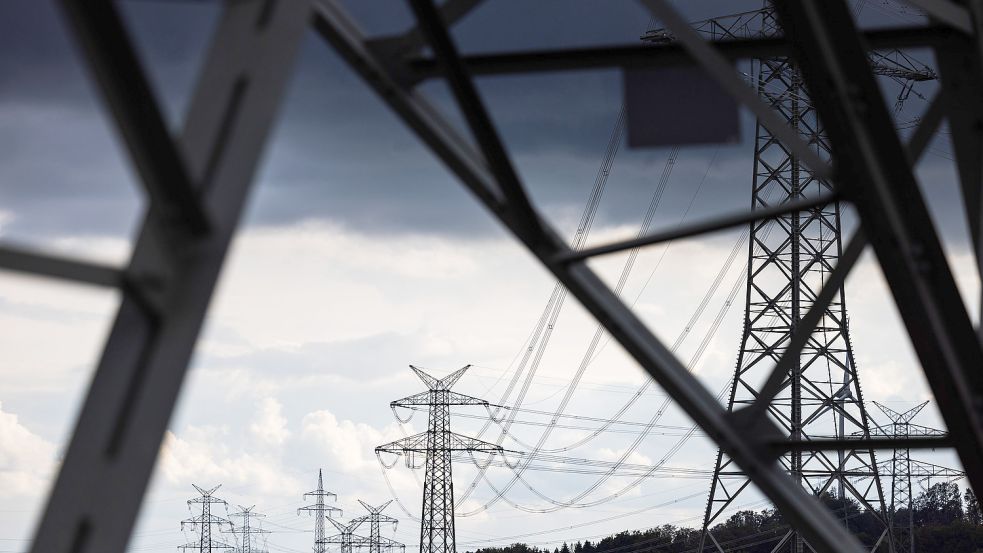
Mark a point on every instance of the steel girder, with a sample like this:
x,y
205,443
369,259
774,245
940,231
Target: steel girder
x,y
197,186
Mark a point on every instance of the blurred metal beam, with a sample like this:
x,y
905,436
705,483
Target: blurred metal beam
x,y
113,61
26,261
117,437
655,55
473,109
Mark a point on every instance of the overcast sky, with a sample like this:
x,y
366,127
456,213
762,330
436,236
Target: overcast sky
x,y
359,254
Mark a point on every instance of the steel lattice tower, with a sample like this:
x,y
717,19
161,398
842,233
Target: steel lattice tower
x,y
790,259
205,521
377,543
345,537
437,444
320,511
902,525
246,529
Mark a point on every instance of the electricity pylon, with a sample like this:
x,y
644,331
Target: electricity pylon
x,y
345,538
320,511
437,444
902,524
246,530
375,517
790,260
204,522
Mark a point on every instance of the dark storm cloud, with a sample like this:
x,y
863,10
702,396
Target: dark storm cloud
x,y
337,152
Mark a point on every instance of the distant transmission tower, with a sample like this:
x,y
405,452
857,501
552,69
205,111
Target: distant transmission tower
x,y
345,538
817,394
437,444
246,530
902,470
204,522
377,543
320,511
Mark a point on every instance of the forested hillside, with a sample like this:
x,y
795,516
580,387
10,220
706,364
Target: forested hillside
x,y
945,521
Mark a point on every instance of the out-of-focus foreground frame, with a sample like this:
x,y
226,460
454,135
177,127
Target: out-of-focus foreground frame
x,y
197,183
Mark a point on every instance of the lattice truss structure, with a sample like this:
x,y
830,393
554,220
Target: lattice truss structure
x,y
437,445
197,181
245,530
790,259
204,523
903,469
320,511
349,542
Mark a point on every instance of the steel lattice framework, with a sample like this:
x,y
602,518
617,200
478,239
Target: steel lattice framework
x,y
903,468
197,180
246,530
375,518
204,522
790,259
319,511
346,538
438,444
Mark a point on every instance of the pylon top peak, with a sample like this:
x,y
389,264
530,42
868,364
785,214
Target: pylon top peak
x,y
204,492
344,529
904,417
442,383
375,510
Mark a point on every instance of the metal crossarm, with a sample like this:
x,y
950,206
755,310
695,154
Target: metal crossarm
x,y
417,443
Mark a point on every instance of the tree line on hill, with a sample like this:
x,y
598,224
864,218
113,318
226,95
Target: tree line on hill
x,y
944,521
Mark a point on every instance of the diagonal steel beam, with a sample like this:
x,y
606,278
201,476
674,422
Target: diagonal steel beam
x,y
961,65
801,509
118,433
113,61
894,216
476,115
414,39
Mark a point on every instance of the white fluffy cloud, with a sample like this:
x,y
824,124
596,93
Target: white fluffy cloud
x,y
26,459
270,426
211,455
